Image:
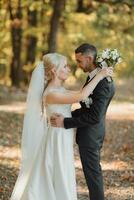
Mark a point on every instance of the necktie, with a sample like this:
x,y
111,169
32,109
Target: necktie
x,y
87,80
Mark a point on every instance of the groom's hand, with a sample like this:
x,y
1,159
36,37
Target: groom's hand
x,y
57,120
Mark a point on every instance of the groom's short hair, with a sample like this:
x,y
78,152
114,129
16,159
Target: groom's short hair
x,y
87,49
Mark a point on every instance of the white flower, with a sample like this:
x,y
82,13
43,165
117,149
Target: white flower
x,y
115,51
114,57
119,60
88,101
104,64
114,54
100,59
109,57
108,50
105,54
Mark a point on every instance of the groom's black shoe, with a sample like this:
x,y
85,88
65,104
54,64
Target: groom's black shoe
x,y
92,170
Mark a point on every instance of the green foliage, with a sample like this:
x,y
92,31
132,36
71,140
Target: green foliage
x,y
106,25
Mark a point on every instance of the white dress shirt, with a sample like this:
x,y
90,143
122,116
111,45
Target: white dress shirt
x,y
93,73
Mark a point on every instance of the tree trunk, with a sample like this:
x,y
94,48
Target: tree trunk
x,y
16,71
31,40
59,6
16,39
80,6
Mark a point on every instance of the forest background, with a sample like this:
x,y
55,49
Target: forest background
x,y
31,28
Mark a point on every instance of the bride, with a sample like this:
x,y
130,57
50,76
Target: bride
x,y
47,164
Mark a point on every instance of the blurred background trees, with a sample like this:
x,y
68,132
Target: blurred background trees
x,y
30,28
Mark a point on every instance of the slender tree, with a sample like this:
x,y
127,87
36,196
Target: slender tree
x,y
16,39
80,6
31,39
58,8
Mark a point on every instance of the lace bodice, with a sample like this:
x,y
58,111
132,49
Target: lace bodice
x,y
64,109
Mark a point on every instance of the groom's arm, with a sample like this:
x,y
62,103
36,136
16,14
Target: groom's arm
x,y
94,113
77,112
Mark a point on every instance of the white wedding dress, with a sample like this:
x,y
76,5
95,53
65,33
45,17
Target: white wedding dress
x,y
53,174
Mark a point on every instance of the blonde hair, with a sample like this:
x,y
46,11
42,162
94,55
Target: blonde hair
x,y
50,61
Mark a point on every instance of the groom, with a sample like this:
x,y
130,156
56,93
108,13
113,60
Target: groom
x,y
90,121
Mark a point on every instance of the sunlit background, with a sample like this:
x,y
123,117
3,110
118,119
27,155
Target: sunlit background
x,y
31,28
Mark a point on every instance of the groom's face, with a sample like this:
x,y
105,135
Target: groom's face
x,y
84,62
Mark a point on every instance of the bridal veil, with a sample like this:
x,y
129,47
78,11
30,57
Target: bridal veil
x,y
34,129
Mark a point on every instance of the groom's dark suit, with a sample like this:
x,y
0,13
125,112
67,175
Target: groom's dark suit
x,y
90,124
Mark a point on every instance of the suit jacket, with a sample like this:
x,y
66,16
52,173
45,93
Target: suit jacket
x,y
90,122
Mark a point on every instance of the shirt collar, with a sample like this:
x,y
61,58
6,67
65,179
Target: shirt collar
x,y
93,73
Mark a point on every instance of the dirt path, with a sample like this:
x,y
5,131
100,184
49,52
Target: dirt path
x,y
117,153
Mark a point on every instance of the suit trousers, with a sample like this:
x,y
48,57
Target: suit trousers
x,y
90,159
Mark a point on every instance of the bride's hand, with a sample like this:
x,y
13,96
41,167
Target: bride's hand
x,y
106,71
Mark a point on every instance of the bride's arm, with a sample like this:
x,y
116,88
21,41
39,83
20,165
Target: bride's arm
x,y
69,97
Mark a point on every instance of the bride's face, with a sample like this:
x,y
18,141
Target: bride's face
x,y
63,72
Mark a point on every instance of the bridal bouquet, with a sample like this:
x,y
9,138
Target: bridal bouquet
x,y
109,58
